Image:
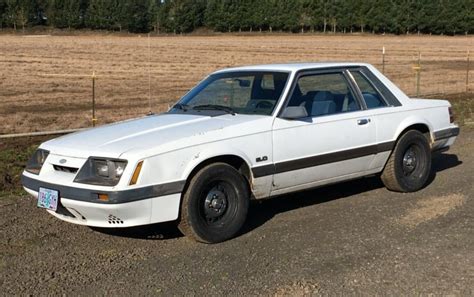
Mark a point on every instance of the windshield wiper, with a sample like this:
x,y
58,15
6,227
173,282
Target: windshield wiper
x,y
183,107
215,107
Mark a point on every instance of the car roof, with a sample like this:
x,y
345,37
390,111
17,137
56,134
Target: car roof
x,y
291,67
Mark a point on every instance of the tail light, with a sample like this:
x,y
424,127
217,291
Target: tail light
x,y
451,115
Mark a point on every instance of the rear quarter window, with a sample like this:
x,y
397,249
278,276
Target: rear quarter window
x,y
383,90
372,98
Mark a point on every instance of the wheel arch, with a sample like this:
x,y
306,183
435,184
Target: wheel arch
x,y
420,125
190,216
237,161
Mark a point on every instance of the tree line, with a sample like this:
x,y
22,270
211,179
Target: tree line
x,y
184,16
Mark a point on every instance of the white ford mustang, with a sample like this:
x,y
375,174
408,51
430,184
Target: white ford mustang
x,y
242,133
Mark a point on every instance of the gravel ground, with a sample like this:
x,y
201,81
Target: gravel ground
x,y
353,238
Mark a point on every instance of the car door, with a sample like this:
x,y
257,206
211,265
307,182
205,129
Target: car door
x,y
336,140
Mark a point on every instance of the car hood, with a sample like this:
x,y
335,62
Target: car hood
x,y
164,132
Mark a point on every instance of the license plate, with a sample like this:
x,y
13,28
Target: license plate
x,y
48,199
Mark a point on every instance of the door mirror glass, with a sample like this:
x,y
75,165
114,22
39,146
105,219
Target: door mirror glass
x,y
244,83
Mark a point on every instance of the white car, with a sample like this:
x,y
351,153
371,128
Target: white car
x,y
242,133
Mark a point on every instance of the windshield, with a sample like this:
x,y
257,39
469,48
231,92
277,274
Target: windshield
x,y
235,92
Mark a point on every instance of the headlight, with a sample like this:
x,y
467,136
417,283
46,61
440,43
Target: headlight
x,y
35,163
100,171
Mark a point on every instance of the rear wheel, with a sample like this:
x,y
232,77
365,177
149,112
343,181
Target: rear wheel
x,y
409,165
215,204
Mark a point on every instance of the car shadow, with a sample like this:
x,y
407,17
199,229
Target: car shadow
x,y
159,231
441,162
264,210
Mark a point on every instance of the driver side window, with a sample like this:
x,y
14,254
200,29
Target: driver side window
x,y
324,94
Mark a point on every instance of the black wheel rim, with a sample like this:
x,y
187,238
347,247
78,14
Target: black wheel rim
x,y
412,161
217,203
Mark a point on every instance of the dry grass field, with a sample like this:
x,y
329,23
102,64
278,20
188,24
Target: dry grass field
x,y
45,81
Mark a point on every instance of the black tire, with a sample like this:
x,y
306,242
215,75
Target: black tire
x,y
215,204
409,165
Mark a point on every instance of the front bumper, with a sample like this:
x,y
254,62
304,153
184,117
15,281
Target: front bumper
x,y
126,208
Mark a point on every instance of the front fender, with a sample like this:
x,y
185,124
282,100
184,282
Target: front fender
x,y
210,153
177,165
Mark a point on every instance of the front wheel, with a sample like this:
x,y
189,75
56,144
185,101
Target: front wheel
x,y
215,204
409,166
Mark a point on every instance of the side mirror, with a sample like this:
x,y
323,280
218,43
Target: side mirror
x,y
244,83
294,112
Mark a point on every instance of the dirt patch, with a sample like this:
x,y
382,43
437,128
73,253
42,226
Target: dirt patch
x,y
431,208
298,288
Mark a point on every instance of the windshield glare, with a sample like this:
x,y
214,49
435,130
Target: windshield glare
x,y
242,92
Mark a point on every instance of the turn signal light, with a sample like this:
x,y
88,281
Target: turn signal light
x,y
103,197
136,173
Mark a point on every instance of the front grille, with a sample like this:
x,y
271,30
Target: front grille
x,y
65,169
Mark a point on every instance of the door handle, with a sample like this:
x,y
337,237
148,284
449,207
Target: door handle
x,y
363,121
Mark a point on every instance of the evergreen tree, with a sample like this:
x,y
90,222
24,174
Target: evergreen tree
x,y
181,16
290,14
99,14
154,10
64,14
220,15
189,14
320,14
261,15
380,16
334,13
12,13
3,9
347,15
137,16
25,12
426,16
467,19
362,14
